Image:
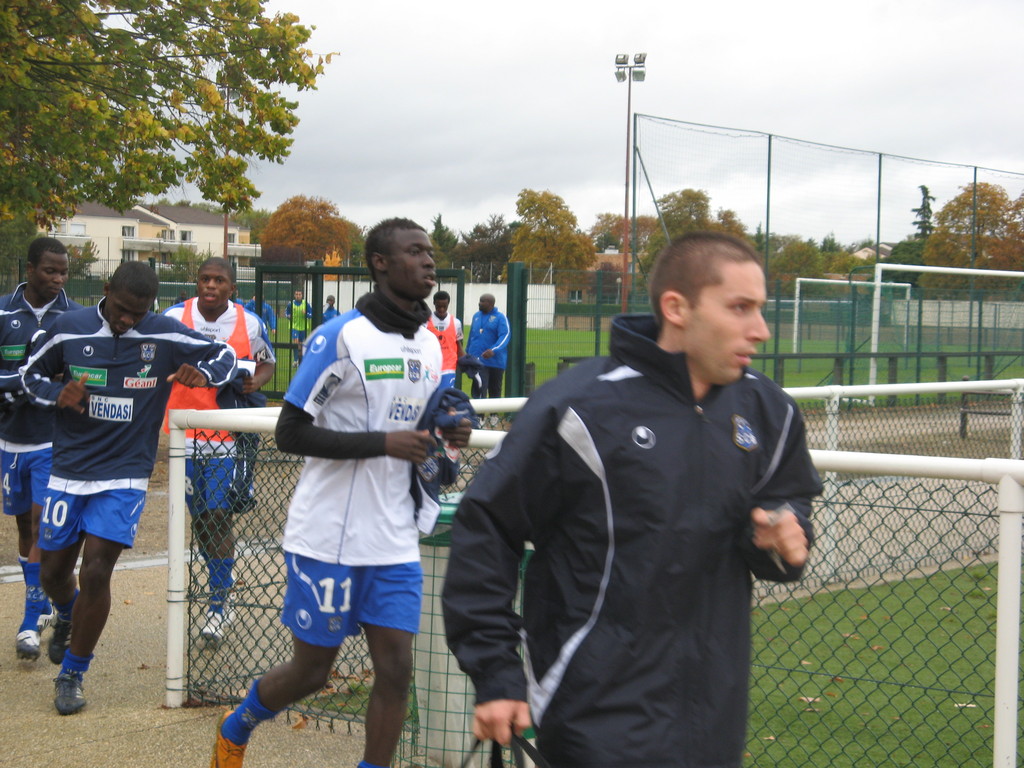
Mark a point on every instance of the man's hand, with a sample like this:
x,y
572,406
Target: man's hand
x,y
411,446
189,376
783,535
459,436
487,354
496,719
74,395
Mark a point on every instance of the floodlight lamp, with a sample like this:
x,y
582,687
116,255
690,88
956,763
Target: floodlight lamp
x,y
640,58
620,75
639,75
621,59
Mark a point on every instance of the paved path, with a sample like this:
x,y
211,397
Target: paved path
x,y
125,724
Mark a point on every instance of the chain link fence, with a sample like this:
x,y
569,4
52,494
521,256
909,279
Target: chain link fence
x,y
882,654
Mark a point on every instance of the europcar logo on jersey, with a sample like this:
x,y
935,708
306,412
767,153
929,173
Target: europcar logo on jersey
x,y
743,434
97,376
142,381
13,352
384,368
147,351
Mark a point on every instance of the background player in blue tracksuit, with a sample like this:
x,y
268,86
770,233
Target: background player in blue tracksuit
x,y
116,362
26,432
488,340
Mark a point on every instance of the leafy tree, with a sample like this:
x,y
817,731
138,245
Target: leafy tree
x,y
80,258
829,244
910,252
255,220
984,233
549,233
445,241
15,235
485,249
183,265
689,210
311,224
795,258
112,100
923,222
606,231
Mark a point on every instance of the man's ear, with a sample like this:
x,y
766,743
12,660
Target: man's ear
x,y
675,309
380,262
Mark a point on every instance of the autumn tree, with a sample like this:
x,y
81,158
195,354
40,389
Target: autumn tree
x,y
548,233
310,224
113,100
689,210
979,228
606,232
485,249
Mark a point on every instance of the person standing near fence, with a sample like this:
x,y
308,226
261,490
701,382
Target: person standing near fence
x,y
489,335
448,329
300,314
219,466
108,371
330,311
351,542
26,432
266,314
649,483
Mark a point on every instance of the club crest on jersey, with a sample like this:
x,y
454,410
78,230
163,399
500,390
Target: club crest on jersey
x,y
743,434
147,351
415,370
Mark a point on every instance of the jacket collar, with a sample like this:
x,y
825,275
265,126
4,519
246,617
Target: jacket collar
x,y
634,342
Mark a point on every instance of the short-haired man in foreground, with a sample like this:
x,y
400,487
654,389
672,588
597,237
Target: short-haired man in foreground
x,y
115,363
649,483
351,542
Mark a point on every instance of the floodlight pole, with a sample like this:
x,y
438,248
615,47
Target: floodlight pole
x,y
625,71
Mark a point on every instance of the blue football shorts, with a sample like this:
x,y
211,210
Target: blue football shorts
x,y
325,602
112,515
25,476
208,481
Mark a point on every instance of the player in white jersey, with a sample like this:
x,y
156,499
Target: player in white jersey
x,y
351,541
219,467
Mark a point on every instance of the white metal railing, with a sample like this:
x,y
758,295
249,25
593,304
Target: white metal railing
x,y
1006,474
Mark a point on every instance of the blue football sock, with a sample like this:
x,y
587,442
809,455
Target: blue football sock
x,y
240,724
36,602
365,764
75,665
220,581
64,609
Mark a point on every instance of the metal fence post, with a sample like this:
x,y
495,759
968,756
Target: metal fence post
x,y
1011,509
515,372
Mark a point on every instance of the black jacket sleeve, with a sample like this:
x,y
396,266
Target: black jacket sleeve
x,y
297,434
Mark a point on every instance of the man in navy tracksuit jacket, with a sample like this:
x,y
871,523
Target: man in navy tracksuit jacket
x,y
26,432
646,482
115,364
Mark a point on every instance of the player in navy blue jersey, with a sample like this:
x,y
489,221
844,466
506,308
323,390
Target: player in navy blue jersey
x,y
108,371
26,432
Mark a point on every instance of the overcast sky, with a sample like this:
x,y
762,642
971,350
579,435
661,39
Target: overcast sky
x,y
453,107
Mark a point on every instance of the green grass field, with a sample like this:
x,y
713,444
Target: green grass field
x,y
898,674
